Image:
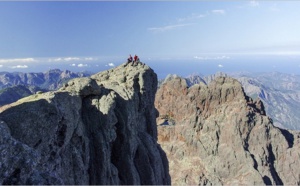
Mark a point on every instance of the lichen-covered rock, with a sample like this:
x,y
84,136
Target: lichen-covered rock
x,y
97,130
223,137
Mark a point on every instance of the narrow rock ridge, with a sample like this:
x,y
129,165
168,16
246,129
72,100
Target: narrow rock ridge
x,y
99,130
216,135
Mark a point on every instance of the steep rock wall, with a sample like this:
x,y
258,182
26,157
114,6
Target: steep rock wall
x,y
97,130
215,134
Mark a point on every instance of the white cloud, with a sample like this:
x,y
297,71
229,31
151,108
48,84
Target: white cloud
x,y
169,27
220,66
20,60
79,65
254,3
223,57
71,59
57,59
192,17
19,66
89,59
1,66
212,58
82,65
68,59
220,12
110,64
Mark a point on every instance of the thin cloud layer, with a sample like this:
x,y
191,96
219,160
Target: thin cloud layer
x,y
212,58
68,59
192,17
220,12
18,60
19,66
169,27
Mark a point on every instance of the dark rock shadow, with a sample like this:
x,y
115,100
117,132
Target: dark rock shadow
x,y
288,136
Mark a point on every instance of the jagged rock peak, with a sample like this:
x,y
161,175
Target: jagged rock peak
x,y
210,78
194,79
223,137
175,96
99,130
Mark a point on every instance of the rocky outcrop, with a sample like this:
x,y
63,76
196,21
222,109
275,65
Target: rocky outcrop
x,y
279,93
220,136
97,130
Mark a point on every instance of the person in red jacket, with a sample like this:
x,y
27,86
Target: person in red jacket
x,y
136,59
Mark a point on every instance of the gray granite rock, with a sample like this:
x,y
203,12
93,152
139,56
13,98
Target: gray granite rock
x,y
98,130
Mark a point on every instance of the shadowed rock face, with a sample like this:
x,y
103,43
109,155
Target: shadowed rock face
x,y
221,136
97,130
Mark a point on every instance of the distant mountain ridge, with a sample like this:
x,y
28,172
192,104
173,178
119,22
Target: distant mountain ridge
x,y
16,85
280,94
50,80
14,93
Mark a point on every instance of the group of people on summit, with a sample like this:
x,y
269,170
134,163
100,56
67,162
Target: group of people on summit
x,y
135,60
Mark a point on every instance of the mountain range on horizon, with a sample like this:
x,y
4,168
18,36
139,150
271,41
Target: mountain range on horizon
x,y
50,80
16,85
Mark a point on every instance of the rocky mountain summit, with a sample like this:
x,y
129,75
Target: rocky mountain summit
x,y
278,91
215,134
96,130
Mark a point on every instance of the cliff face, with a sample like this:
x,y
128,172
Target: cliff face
x,y
215,134
97,130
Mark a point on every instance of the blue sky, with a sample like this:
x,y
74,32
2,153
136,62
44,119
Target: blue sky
x,y
93,34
